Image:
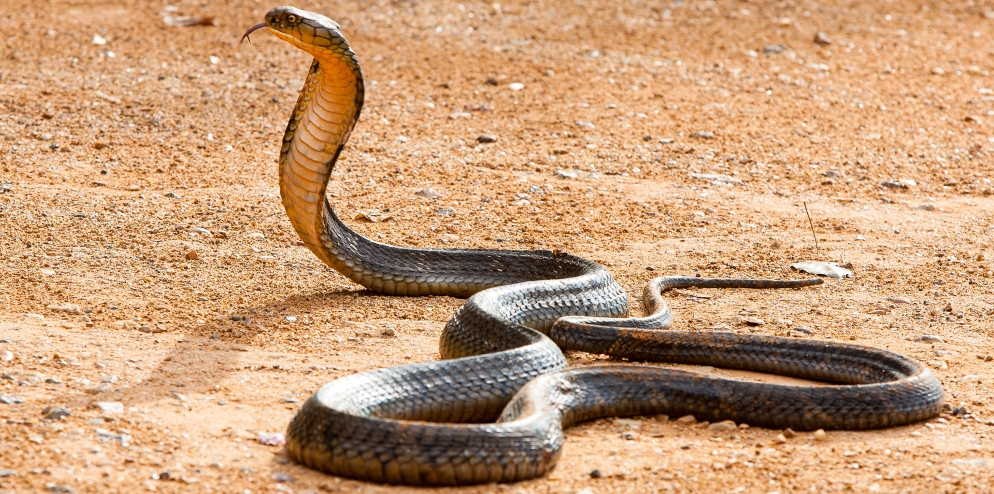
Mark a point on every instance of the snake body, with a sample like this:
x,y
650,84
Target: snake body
x,y
494,409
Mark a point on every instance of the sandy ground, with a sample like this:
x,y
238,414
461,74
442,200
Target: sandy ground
x,y
125,144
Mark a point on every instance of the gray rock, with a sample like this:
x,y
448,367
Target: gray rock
x,y
59,488
930,338
7,473
773,49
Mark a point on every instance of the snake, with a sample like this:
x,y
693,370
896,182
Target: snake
x,y
494,408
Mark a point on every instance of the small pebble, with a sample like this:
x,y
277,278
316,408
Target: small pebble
x,y
687,420
55,413
282,477
11,400
172,195
110,407
191,255
388,333
7,356
448,238
585,124
7,473
595,474
516,86
822,39
272,438
930,338
789,433
703,134
802,329
103,388
780,439
486,138
773,49
820,435
67,308
723,426
428,193
59,488
566,174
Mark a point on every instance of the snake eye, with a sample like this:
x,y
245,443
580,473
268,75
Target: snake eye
x,y
291,19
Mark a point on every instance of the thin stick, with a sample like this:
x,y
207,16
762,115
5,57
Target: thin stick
x,y
812,225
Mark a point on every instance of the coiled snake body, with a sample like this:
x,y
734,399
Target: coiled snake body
x,y
433,423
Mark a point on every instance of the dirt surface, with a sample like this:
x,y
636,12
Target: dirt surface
x,y
145,258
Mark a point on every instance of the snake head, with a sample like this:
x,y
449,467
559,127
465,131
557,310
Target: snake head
x,y
313,33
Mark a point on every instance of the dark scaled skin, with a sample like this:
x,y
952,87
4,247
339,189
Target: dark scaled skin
x,y
494,409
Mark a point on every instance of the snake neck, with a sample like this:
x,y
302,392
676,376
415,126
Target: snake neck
x,y
326,112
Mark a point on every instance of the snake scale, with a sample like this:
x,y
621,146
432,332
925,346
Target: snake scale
x,y
494,409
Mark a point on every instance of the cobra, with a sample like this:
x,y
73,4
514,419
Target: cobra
x,y
494,409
